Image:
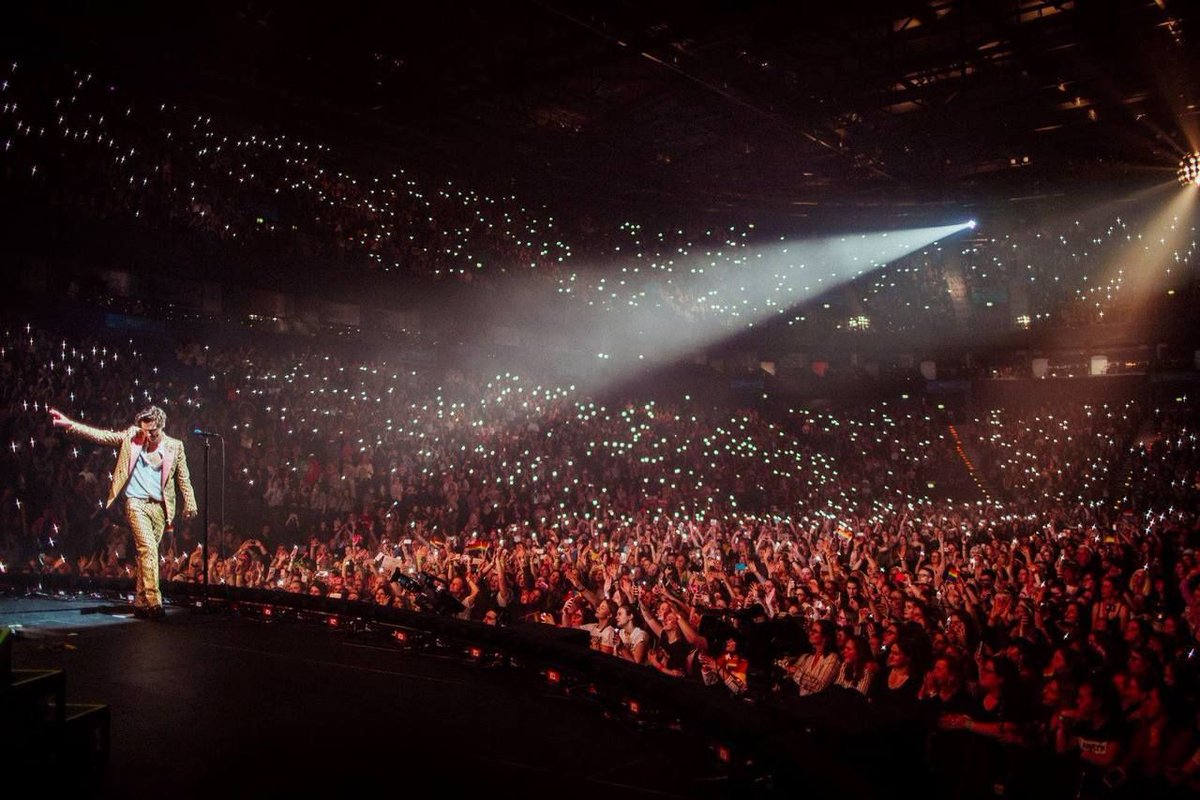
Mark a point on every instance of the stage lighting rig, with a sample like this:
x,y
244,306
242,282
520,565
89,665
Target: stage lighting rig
x,y
1189,170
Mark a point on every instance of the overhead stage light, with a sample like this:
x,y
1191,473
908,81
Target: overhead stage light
x,y
1189,170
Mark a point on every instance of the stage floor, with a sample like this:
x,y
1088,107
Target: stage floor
x,y
211,703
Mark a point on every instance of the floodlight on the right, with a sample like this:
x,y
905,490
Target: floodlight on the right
x,y
1189,170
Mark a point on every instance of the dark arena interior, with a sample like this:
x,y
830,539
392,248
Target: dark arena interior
x,y
663,399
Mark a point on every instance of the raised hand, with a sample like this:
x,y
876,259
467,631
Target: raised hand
x,y
59,419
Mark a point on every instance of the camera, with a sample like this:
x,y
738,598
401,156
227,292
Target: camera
x,y
407,583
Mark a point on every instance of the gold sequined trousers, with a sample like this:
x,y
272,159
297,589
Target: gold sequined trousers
x,y
148,520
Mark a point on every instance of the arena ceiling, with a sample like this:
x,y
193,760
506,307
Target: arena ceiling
x,y
790,108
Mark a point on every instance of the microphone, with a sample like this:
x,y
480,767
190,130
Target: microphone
x,y
205,434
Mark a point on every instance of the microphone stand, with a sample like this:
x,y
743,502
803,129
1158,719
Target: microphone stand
x,y
204,545
208,437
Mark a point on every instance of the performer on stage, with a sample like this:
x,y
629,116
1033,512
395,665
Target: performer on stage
x,y
151,467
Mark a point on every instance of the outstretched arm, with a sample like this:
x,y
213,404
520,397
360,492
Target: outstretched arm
x,y
691,634
97,435
648,616
469,602
503,596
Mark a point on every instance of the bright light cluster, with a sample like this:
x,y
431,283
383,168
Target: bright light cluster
x,y
272,187
1189,170
1033,454
268,186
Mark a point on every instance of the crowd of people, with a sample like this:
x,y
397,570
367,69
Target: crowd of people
x,y
87,144
1022,580
1025,580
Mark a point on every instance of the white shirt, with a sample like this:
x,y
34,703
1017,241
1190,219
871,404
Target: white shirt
x,y
601,637
632,640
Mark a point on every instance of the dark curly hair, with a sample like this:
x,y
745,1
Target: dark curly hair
x,y
152,414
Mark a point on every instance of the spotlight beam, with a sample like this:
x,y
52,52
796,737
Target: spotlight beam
x,y
710,297
1148,263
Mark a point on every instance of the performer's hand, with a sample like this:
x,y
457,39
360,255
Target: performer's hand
x,y
59,419
189,513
